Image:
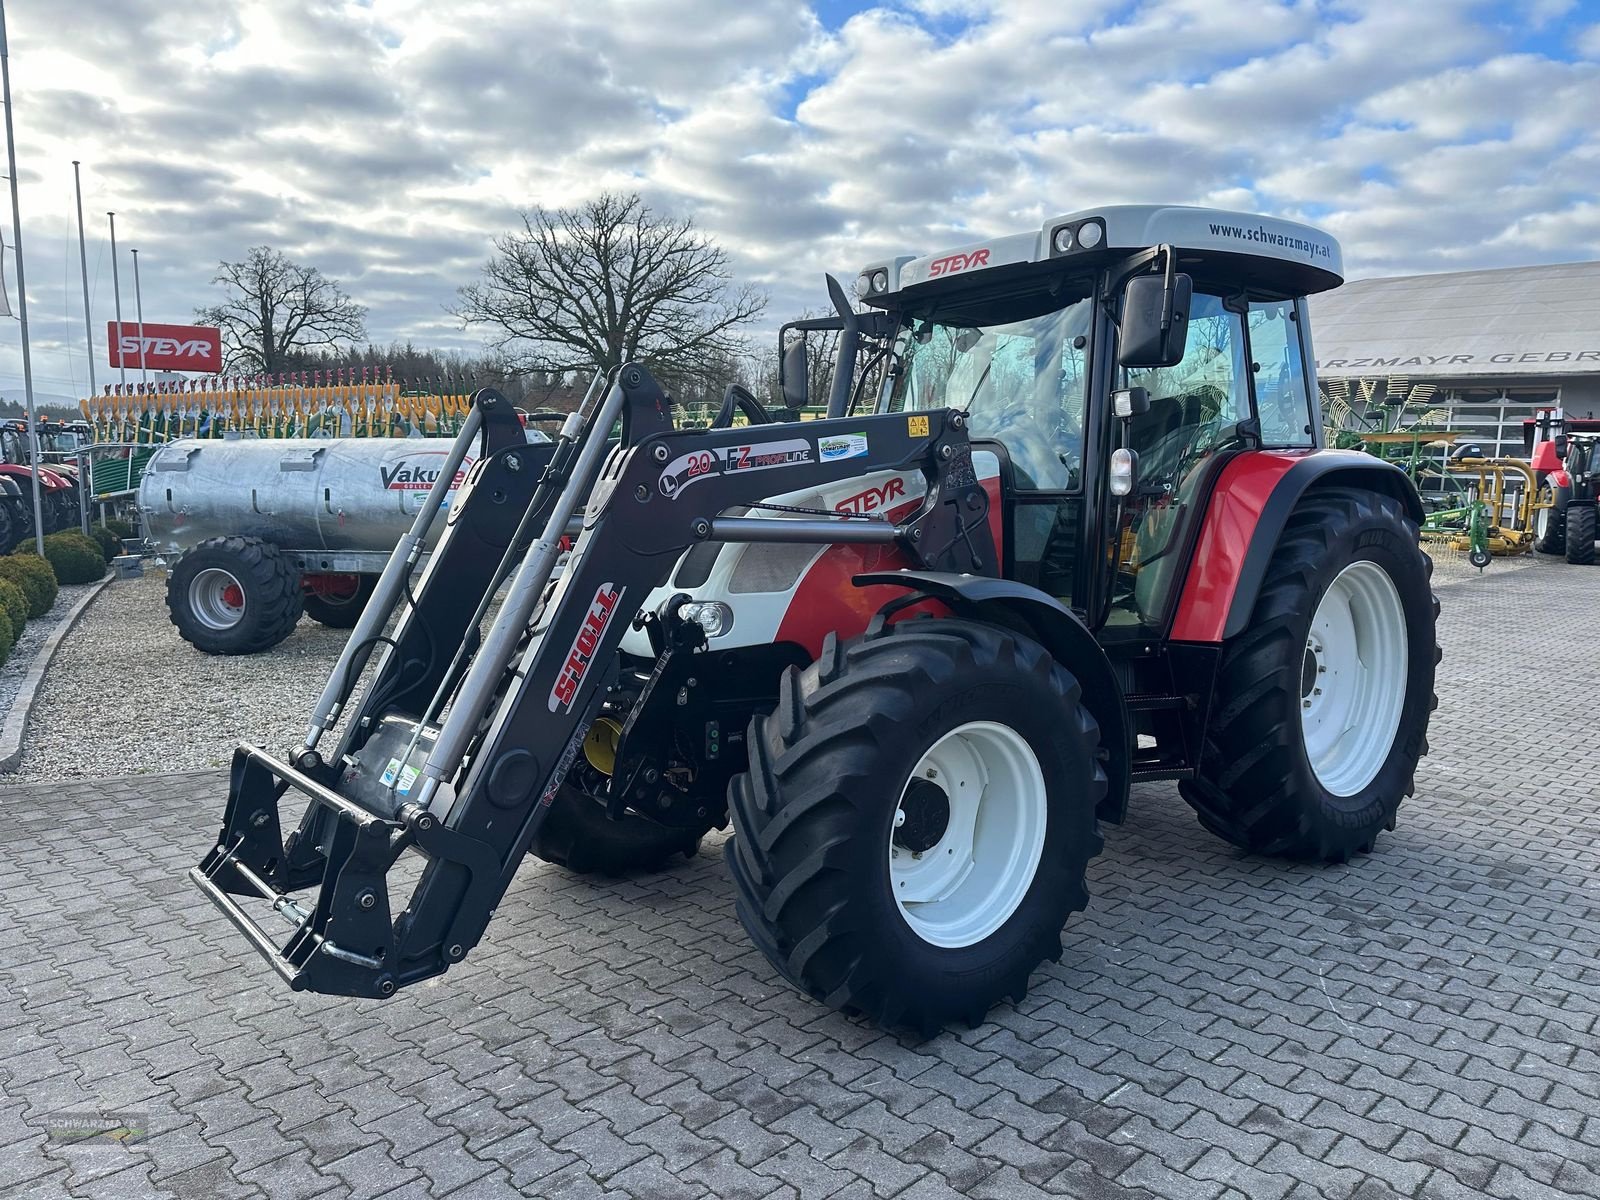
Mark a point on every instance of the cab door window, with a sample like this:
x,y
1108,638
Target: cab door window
x,y
1195,411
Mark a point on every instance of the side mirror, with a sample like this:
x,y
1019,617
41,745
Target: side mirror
x,y
792,371
1154,334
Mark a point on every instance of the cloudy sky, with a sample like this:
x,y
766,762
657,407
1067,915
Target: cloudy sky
x,y
387,141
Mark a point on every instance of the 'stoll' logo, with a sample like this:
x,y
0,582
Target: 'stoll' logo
x,y
873,497
951,263
570,678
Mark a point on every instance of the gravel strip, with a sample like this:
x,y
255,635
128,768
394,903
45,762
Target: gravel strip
x,y
33,636
127,696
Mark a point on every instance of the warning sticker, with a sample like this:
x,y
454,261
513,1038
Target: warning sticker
x,y
917,426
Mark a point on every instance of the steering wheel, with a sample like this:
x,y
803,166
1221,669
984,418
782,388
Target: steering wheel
x,y
739,398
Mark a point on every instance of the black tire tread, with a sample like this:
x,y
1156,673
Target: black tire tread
x,y
271,571
793,817
577,836
1581,534
1240,793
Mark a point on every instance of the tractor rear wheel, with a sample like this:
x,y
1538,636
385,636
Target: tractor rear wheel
x,y
1580,534
917,821
10,528
1321,705
1550,524
234,595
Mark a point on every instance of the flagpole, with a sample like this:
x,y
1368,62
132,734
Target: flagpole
x,y
83,264
22,285
138,308
116,292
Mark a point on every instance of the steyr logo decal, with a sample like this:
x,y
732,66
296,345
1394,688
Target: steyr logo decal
x,y
951,263
873,498
702,464
570,678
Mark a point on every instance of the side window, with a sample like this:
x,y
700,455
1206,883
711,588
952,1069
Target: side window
x,y
1281,399
1195,405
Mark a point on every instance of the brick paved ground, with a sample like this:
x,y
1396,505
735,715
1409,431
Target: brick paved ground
x,y
1422,1022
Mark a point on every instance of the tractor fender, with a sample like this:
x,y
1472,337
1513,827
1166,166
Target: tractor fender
x,y
1249,508
1057,628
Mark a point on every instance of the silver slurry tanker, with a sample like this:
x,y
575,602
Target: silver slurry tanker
x,y
259,530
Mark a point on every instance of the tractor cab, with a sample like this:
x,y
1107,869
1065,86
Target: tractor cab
x,y
1114,361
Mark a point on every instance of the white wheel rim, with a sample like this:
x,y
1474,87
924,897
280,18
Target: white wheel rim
x,y
1353,678
963,886
211,594
1541,522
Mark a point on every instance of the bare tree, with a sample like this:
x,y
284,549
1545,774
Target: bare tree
x,y
594,286
276,310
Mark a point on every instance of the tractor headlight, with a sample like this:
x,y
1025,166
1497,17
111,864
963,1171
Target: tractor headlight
x,y
713,616
864,283
1063,239
1089,235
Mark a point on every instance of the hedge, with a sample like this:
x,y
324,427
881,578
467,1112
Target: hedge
x,y
74,557
110,543
34,576
15,606
7,638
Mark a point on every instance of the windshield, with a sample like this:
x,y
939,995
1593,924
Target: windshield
x,y
1021,383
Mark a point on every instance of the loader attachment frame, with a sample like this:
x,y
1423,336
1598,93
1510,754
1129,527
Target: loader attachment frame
x,y
451,766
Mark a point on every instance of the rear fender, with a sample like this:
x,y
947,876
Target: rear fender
x,y
1027,610
1245,517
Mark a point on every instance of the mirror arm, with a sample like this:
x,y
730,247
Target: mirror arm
x,y
1168,288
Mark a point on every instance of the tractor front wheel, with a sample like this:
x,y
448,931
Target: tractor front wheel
x,y
917,821
1321,705
1580,533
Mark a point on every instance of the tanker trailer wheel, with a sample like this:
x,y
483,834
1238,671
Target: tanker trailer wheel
x,y
337,600
1550,524
1321,704
1580,533
917,821
234,595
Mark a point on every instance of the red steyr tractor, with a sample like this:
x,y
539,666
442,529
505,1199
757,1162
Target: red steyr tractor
x,y
1066,526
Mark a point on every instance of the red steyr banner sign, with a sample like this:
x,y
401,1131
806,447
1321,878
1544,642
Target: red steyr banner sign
x,y
166,347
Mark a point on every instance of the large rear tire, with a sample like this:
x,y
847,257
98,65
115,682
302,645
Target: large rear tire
x,y
917,821
234,595
1580,534
1550,524
1321,706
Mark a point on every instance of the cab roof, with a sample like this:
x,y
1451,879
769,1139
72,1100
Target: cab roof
x,y
1261,253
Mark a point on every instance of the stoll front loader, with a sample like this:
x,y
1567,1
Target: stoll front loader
x,y
1081,535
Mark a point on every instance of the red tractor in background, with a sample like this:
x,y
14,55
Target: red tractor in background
x,y
61,495
1566,463
1066,526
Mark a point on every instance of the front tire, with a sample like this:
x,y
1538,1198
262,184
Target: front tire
x,y
1321,705
234,595
577,835
1580,534
862,879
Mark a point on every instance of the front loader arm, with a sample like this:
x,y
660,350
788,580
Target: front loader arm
x,y
519,711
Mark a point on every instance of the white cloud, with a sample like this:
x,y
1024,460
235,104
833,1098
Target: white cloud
x,y
388,140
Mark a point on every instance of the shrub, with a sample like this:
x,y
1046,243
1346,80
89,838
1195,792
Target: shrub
x,y
7,638
110,543
14,603
74,558
34,576
122,529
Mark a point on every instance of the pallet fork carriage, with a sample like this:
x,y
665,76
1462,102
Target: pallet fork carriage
x,y
1082,534
647,503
